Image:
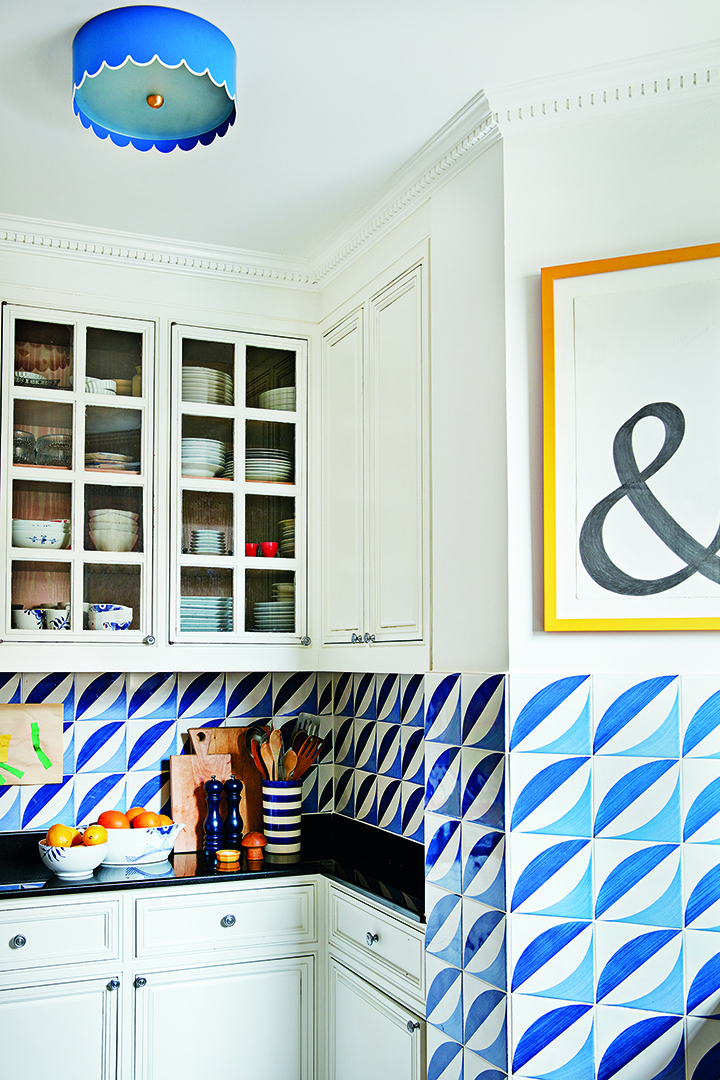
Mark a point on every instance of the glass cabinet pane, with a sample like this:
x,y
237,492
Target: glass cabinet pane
x,y
40,596
43,355
43,434
113,519
270,452
207,523
270,601
113,440
270,381
208,371
111,597
113,363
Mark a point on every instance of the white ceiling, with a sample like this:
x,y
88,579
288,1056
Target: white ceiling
x,y
333,97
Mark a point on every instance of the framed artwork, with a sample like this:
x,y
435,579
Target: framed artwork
x,y
631,402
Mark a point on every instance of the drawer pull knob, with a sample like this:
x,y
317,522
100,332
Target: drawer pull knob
x,y
371,938
227,921
114,984
413,1025
18,941
140,982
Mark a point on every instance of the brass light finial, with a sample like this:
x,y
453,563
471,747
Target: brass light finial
x,y
155,101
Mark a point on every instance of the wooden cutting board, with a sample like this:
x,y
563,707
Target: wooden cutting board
x,y
188,773
231,740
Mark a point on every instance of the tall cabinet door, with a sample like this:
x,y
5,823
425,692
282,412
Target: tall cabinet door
x,y
394,454
343,544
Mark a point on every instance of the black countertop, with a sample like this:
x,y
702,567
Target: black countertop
x,y
389,868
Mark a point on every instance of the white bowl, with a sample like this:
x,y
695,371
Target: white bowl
x,y
117,610
138,847
107,622
121,515
72,862
40,538
113,539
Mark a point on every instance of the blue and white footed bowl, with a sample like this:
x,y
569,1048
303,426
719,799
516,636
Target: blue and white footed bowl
x,y
138,847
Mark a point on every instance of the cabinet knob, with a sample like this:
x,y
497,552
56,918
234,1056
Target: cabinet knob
x,y
140,982
413,1025
114,984
371,938
18,941
149,640
356,639
368,638
305,641
227,920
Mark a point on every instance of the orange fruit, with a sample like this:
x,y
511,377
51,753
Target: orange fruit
x,y
133,812
113,819
147,820
77,840
60,835
94,834
165,820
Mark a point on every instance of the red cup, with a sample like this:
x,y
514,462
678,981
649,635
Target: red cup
x,y
269,548
251,549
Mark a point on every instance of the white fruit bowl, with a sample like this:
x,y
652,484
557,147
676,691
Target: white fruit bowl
x,y
113,539
138,847
72,862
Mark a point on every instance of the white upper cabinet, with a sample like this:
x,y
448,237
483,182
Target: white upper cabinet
x,y
374,438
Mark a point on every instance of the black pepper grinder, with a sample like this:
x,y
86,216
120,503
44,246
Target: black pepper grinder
x,y
232,832
213,825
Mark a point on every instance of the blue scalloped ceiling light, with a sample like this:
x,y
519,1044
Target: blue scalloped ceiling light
x,y
126,58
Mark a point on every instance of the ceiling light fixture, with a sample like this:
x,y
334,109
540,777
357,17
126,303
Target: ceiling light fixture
x,y
154,76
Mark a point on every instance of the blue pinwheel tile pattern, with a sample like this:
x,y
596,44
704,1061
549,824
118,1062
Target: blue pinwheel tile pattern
x,y
550,875
701,873
702,973
551,794
637,799
637,718
101,697
444,1056
701,799
97,792
552,1038
551,718
638,883
152,697
553,958
639,1045
442,712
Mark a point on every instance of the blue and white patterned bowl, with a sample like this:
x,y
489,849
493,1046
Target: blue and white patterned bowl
x,y
138,847
72,862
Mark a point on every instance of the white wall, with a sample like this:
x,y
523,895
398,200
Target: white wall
x,y
643,178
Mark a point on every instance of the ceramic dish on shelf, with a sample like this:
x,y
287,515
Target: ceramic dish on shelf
x,y
40,534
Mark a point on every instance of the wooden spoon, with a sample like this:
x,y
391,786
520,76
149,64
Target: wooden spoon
x,y
290,763
266,755
259,763
276,747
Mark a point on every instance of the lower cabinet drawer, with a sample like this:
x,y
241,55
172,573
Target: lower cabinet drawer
x,y
40,935
262,918
379,941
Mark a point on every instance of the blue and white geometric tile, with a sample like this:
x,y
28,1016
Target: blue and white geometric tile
x,y
701,801
151,790
387,692
365,756
10,689
364,693
442,715
482,706
444,1056
702,973
639,967
550,794
389,805
637,717
550,717
366,798
551,876
701,881
344,791
412,700
703,1049
442,785
324,693
344,739
326,788
100,746
444,997
411,800
310,796
552,958
68,747
201,697
551,1038
484,943
485,1021
97,792
482,775
638,883
412,749
443,930
150,743
294,692
476,1068
152,697
388,750
700,716
9,807
633,1045
249,694
443,865
483,864
101,697
343,694
637,799
41,806
57,688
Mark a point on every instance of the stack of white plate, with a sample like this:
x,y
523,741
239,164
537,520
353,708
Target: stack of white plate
x,y
213,614
287,538
100,386
208,542
281,398
278,615
206,385
282,590
203,457
228,472
106,462
261,464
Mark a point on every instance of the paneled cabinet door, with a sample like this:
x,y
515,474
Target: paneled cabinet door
x,y
252,1020
374,437
64,1030
370,1035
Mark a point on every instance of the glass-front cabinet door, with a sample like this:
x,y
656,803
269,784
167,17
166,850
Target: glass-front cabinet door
x,y
239,492
77,463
